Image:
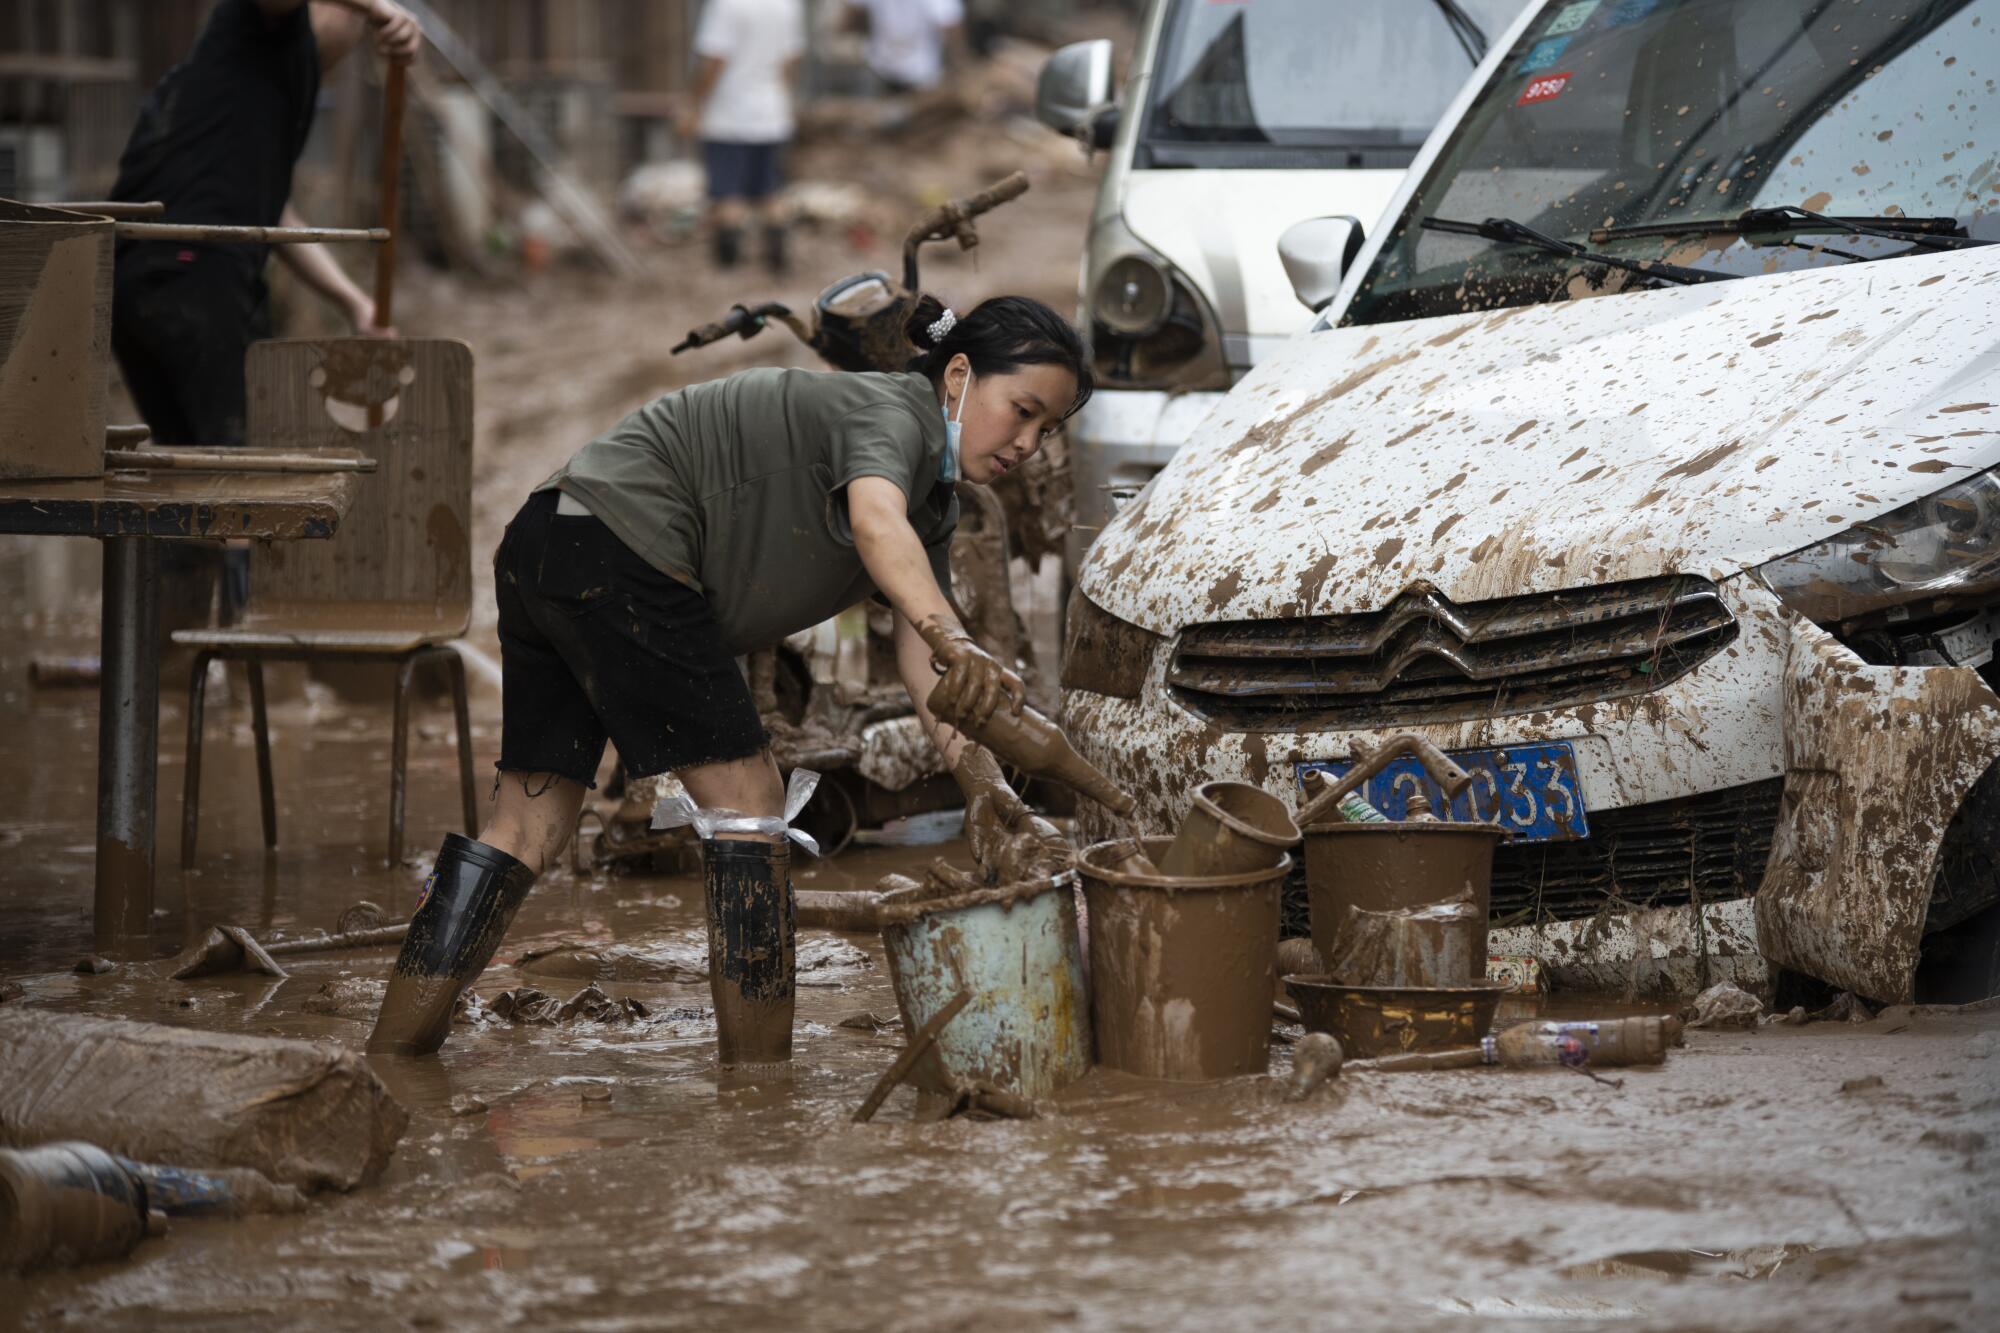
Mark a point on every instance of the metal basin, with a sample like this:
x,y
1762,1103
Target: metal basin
x,y
1390,1020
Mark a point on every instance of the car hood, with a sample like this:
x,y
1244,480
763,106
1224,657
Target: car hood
x,y
1700,429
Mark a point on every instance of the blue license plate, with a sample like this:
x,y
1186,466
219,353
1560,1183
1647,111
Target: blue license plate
x,y
1529,790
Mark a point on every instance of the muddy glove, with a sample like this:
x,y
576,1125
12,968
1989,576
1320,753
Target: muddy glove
x,y
1009,841
974,680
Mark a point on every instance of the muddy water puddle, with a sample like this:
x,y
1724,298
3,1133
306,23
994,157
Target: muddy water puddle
x,y
605,1175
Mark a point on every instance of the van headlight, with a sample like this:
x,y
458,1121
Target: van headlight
x,y
1929,557
1103,654
1149,329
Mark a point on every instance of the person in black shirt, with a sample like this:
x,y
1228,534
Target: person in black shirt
x,y
216,142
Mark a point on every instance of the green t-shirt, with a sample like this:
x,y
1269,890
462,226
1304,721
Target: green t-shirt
x,y
736,487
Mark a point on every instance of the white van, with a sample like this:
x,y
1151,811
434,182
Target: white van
x,y
1237,120
1648,460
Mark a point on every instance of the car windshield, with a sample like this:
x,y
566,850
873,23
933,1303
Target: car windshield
x,y
1619,113
1308,83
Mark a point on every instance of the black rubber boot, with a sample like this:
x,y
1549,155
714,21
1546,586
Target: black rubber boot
x,y
751,920
728,246
777,253
467,903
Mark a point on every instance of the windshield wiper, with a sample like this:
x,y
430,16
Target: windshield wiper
x,y
1471,37
1777,225
1506,230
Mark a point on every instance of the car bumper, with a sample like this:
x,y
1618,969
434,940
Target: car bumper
x,y
1117,442
1848,774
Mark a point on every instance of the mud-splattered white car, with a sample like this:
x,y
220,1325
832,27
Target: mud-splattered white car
x,y
1646,461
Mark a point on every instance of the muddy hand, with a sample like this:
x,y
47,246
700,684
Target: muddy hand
x,y
973,677
1009,841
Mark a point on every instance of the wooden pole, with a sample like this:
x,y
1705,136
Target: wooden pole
x,y
392,171
223,234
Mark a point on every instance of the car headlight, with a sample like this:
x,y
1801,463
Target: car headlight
x,y
1149,329
1133,298
1103,654
1926,558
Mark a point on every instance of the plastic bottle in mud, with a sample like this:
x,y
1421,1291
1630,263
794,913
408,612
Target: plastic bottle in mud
x,y
1600,1042
1355,810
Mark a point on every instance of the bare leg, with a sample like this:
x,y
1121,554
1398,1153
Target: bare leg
x,y
533,817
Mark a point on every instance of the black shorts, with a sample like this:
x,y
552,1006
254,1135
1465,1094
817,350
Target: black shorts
x,y
595,642
751,171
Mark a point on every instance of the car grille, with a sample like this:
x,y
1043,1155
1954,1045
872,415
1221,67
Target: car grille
x,y
1666,854
1422,659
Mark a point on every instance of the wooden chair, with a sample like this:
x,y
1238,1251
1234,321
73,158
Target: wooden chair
x,y
395,585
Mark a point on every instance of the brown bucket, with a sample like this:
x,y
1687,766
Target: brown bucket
x,y
1233,828
1436,945
1394,866
1182,970
55,341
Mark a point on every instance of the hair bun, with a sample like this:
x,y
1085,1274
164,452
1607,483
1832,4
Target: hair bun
x,y
921,327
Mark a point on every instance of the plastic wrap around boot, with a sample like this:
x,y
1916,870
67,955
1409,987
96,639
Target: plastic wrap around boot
x,y
751,924
471,896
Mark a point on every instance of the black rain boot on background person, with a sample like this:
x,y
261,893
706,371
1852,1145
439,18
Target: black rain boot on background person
x,y
467,903
777,253
728,243
748,892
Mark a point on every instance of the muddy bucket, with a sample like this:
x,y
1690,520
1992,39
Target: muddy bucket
x,y
1395,867
1233,828
1181,970
1014,947
1390,1020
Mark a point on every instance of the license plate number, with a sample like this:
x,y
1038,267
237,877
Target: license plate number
x,y
1529,790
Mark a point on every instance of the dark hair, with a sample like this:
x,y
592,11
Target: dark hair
x,y
998,336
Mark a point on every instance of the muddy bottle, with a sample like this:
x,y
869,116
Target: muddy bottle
x,y
1599,1042
1030,741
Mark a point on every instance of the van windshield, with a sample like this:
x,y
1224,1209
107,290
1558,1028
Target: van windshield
x,y
1610,115
1309,83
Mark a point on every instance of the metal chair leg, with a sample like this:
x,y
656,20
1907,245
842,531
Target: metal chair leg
x,y
399,757
260,726
462,709
191,774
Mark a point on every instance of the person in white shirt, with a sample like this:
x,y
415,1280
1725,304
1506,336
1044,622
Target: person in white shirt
x,y
749,53
909,40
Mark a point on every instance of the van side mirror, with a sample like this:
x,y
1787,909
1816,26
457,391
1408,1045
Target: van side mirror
x,y
1074,82
1316,254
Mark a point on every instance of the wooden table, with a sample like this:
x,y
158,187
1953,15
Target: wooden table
x,y
131,511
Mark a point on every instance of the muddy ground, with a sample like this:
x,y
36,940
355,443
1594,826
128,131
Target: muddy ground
x,y
1761,1179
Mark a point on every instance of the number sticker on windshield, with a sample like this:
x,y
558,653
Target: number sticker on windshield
x,y
1543,89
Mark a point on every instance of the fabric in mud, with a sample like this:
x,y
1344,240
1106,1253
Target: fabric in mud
x,y
738,487
595,642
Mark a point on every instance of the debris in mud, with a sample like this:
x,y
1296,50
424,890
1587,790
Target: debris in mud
x,y
527,1005
868,1021
1847,1007
11,990
596,1092
1724,1005
348,997
465,1104
94,966
1317,1059
1866,1083
681,960
309,1114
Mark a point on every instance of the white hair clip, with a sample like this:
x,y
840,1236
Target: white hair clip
x,y
942,326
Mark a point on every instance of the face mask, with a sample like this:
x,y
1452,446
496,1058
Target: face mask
x,y
954,431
